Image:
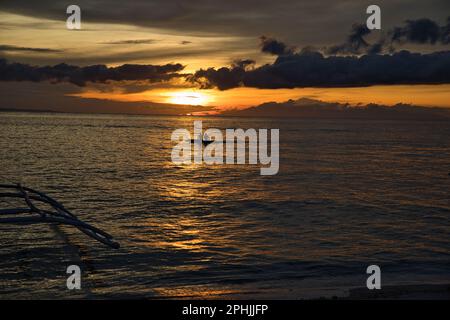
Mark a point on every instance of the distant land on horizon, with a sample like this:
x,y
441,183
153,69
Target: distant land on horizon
x,y
301,108
72,104
312,108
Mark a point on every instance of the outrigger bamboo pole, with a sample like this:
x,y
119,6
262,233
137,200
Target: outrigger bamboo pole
x,y
59,215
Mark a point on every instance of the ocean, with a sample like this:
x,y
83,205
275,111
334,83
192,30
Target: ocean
x,y
348,194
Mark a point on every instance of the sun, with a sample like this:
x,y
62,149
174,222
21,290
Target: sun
x,y
188,98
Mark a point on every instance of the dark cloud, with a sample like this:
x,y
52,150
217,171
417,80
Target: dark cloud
x,y
312,69
5,47
135,53
223,78
445,32
244,63
135,41
417,31
275,47
62,97
356,37
355,41
420,31
317,23
94,73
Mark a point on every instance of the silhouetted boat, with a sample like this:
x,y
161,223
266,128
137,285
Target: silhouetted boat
x,y
202,140
205,142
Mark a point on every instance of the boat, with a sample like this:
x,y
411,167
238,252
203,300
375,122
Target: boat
x,y
205,140
31,214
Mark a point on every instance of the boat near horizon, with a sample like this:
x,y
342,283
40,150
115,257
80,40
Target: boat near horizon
x,y
204,140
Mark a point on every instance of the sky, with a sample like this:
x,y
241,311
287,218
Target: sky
x,y
179,57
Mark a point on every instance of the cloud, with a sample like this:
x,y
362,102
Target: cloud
x,y
222,78
64,97
355,41
304,22
5,47
312,69
134,41
309,68
275,47
420,31
445,32
94,73
244,63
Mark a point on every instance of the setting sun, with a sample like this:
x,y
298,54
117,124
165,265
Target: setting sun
x,y
188,98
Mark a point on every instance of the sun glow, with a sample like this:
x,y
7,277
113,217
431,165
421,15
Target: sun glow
x,y
188,98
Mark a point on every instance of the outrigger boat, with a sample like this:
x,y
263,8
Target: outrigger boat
x,y
205,140
58,214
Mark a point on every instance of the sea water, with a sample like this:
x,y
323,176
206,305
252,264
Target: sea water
x,y
348,194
